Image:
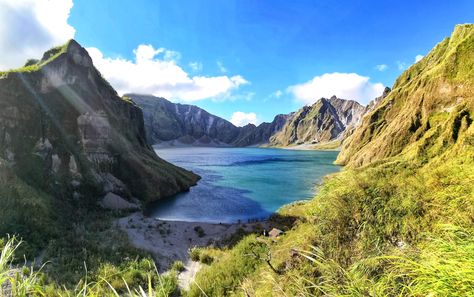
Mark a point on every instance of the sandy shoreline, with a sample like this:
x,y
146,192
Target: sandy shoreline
x,y
168,241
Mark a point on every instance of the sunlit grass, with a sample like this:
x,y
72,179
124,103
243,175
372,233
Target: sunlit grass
x,y
21,281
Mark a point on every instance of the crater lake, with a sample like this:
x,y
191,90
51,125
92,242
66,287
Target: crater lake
x,y
242,183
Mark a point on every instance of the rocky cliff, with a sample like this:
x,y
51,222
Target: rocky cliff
x,y
168,123
430,105
251,135
323,122
64,130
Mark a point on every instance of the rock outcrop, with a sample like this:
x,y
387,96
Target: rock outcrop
x,y
65,130
251,135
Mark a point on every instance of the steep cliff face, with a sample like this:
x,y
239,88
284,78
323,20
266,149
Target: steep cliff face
x,y
165,121
374,103
183,124
323,122
251,135
65,130
347,136
431,104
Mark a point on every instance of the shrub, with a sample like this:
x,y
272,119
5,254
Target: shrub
x,y
178,266
195,254
200,231
225,275
205,258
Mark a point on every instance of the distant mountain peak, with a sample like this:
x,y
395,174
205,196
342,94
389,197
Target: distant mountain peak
x,y
323,122
175,124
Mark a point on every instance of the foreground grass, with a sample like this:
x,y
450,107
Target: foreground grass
x,y
139,279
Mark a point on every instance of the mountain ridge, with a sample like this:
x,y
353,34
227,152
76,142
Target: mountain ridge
x,y
178,124
323,122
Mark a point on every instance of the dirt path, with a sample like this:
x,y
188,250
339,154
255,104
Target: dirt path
x,y
186,277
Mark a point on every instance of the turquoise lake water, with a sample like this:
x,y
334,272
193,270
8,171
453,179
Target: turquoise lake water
x,y
242,183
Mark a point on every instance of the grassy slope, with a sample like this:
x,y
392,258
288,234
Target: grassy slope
x,y
399,226
382,230
441,80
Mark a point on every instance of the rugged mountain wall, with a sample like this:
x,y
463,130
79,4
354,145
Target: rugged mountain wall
x,y
65,130
431,103
347,136
190,125
374,103
323,122
165,121
251,135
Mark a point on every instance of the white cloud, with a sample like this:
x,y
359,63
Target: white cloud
x,y
381,67
278,94
343,85
30,27
221,67
196,66
240,118
402,65
154,71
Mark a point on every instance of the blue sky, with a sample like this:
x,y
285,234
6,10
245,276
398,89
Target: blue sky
x,y
245,55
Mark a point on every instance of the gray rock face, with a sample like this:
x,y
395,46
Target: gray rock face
x,y
182,124
165,121
115,202
373,104
62,124
251,135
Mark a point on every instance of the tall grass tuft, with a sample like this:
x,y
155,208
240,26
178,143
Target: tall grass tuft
x,y
23,281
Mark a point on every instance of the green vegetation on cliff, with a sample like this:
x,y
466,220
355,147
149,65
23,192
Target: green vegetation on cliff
x,y
66,140
402,224
399,221
439,86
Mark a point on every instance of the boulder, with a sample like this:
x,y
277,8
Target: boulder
x,y
115,202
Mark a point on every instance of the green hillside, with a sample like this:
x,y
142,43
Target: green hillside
x,y
400,225
435,91
398,221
